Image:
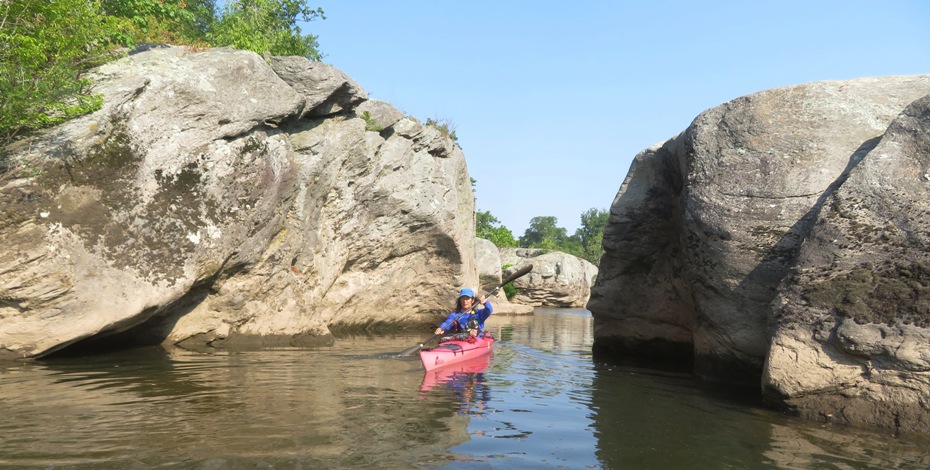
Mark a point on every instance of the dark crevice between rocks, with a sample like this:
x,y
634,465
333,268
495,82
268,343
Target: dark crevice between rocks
x,y
729,370
341,99
769,198
15,304
271,128
387,132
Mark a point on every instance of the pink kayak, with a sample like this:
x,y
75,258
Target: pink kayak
x,y
455,351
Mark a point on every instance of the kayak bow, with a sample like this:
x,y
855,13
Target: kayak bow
x,y
455,351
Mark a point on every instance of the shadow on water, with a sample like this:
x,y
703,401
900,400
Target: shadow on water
x,y
663,420
149,372
650,419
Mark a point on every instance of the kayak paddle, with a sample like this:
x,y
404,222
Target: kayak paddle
x,y
511,278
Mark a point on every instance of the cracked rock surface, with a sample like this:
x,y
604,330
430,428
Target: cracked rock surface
x,y
219,201
742,245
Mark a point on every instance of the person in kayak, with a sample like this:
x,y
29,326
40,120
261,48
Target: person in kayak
x,y
468,317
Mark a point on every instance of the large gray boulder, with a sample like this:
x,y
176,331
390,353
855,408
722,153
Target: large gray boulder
x,y
852,321
489,264
326,89
557,280
198,207
490,275
709,225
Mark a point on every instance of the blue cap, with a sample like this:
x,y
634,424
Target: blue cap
x,y
466,292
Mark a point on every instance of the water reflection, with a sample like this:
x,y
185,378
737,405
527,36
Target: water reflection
x,y
538,402
327,408
647,419
563,331
463,382
539,412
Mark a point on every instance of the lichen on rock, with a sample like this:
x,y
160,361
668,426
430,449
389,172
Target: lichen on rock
x,y
217,201
743,243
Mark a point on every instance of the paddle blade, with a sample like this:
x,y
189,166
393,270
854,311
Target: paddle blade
x,y
415,349
410,351
513,277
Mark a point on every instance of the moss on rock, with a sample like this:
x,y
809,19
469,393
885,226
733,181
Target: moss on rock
x,y
898,293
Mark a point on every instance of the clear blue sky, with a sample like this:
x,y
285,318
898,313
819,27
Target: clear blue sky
x,y
552,100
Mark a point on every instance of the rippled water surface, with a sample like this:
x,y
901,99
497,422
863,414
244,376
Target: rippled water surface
x,y
538,402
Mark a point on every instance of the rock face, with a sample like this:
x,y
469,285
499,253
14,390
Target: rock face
x,y
489,264
852,321
219,201
489,273
782,232
557,280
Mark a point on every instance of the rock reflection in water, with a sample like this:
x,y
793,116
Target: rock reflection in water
x,y
327,408
540,402
554,330
647,419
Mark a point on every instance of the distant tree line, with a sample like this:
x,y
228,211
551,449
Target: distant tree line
x,y
46,46
545,233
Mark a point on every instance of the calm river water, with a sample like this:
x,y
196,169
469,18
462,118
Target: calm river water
x,y
539,402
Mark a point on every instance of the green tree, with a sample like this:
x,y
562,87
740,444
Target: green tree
x,y
544,233
572,246
590,235
484,221
488,227
586,243
204,13
45,46
267,26
174,22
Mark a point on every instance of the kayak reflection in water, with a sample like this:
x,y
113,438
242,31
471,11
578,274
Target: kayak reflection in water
x,y
467,321
466,383
471,392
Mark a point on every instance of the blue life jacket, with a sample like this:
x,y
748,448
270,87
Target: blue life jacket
x,y
458,322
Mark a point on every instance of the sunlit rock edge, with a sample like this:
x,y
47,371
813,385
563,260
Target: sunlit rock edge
x,y
219,200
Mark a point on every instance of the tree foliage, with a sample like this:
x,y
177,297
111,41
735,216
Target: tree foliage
x,y
488,227
141,21
586,243
544,233
46,46
267,25
590,234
